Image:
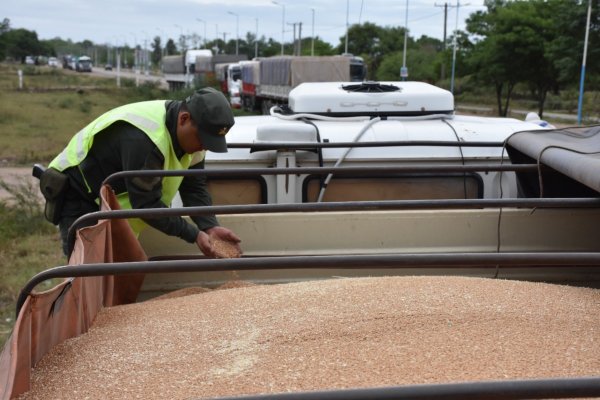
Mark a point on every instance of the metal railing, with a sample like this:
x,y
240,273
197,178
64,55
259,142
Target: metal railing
x,y
392,261
339,171
559,388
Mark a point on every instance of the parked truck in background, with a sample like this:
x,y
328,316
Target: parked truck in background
x,y
229,76
268,81
83,64
179,70
194,67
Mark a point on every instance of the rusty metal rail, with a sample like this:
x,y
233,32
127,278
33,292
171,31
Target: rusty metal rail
x,y
338,171
398,261
559,388
391,143
91,218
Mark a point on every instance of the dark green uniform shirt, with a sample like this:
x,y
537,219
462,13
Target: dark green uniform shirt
x,y
123,147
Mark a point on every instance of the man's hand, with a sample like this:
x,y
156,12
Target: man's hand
x,y
205,241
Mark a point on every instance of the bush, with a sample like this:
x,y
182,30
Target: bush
x,y
22,214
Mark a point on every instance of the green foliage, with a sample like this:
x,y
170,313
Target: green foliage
x,y
423,67
37,123
85,106
171,48
534,42
321,47
19,43
156,54
28,245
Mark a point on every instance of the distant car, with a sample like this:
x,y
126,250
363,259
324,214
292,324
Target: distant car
x,y
29,60
53,62
108,67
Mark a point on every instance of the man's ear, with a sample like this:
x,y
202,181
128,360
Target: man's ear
x,y
183,117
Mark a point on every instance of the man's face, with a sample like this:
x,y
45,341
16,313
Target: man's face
x,y
187,133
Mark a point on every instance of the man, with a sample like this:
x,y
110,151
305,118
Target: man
x,y
150,135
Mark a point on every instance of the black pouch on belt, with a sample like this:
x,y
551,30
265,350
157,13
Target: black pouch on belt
x,y
53,185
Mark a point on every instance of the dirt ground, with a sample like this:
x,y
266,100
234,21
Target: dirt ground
x,y
15,176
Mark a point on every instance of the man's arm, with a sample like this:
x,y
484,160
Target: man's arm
x,y
194,193
146,192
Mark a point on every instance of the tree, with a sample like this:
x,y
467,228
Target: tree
x,y
322,48
4,26
423,66
537,42
361,38
374,43
565,47
171,48
156,46
19,43
508,48
182,42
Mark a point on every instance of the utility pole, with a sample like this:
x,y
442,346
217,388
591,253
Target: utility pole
x,y
294,37
237,31
282,22
445,5
582,79
404,69
300,39
312,41
347,16
455,46
297,43
256,40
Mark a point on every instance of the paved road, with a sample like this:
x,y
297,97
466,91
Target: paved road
x,y
547,114
129,74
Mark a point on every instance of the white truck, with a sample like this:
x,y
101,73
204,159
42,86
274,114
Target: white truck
x,y
83,64
179,70
195,67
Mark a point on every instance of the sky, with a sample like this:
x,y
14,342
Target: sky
x,y
132,22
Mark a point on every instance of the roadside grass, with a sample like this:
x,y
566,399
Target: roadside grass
x,y
37,121
28,245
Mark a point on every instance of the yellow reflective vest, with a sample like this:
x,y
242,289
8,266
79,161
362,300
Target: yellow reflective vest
x,y
148,116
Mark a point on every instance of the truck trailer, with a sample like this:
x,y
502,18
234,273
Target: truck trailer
x,y
194,68
268,81
392,249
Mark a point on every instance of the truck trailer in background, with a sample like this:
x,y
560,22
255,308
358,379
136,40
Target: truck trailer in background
x,y
268,81
179,70
195,68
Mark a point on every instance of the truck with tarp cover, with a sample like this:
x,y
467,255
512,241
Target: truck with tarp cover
x,y
268,81
382,232
194,68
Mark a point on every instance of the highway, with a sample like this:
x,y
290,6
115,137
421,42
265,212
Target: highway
x,y
129,74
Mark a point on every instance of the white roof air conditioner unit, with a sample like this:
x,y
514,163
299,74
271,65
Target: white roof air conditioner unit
x,y
370,98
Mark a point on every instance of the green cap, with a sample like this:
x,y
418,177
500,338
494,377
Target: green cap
x,y
212,114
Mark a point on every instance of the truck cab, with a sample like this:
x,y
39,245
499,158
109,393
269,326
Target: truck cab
x,y
83,64
234,84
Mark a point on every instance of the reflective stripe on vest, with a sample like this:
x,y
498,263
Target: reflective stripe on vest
x,y
148,116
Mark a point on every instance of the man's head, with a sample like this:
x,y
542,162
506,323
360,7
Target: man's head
x,y
212,116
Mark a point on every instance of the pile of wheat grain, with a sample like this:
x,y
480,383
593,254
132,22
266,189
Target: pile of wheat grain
x,y
341,333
